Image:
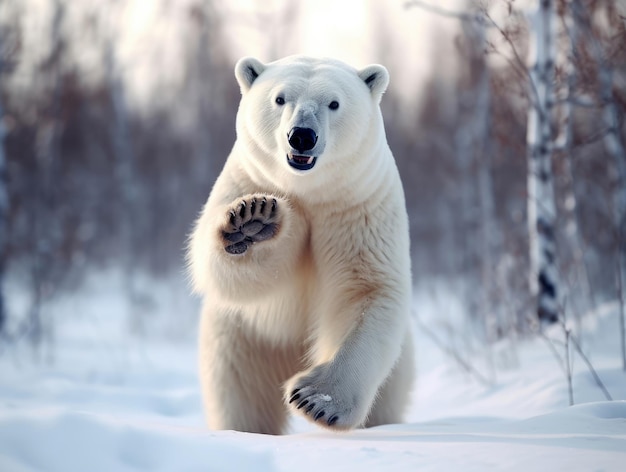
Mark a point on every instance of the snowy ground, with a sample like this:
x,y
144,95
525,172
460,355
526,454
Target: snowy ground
x,y
103,400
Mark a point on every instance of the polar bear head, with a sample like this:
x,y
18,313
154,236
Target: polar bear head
x,y
301,117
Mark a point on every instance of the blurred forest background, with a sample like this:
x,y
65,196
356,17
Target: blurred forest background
x,y
117,116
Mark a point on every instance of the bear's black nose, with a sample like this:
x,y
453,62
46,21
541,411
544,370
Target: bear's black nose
x,y
302,139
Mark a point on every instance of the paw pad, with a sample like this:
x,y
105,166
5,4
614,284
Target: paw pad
x,y
250,221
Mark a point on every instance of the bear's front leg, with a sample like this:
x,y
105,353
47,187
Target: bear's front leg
x,y
340,393
247,247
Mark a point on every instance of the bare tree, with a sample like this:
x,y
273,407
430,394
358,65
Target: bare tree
x,y
8,45
474,150
4,209
615,148
566,89
481,129
47,225
130,217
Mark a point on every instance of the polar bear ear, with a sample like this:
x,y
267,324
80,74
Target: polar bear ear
x,y
246,71
376,78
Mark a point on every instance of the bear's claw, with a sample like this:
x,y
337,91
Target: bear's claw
x,y
319,397
250,222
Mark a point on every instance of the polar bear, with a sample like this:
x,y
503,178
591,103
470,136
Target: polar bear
x,y
302,256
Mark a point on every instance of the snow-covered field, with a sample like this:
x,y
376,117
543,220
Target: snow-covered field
x,y
104,400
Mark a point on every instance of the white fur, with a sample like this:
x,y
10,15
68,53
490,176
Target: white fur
x,y
323,306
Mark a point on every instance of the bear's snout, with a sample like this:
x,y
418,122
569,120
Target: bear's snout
x,y
302,139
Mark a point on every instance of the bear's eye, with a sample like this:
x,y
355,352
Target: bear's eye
x,y
280,101
333,105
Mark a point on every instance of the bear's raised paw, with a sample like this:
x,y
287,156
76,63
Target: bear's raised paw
x,y
250,221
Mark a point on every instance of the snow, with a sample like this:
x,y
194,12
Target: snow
x,y
104,400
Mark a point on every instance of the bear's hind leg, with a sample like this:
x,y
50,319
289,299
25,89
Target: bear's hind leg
x,y
394,395
241,378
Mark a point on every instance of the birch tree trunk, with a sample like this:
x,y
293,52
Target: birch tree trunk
x,y
544,284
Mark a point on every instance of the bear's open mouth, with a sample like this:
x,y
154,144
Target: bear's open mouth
x,y
300,162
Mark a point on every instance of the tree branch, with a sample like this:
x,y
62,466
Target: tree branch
x,y
452,353
463,16
590,367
